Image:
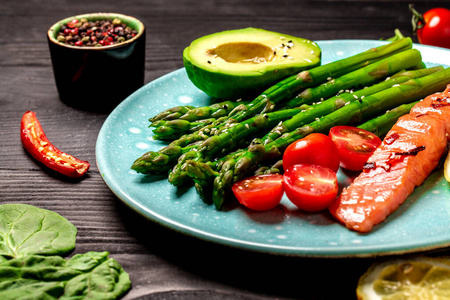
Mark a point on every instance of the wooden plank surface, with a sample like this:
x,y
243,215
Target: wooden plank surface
x,y
164,264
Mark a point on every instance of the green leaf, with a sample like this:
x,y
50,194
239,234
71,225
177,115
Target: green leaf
x,y
106,281
26,230
88,261
91,275
30,289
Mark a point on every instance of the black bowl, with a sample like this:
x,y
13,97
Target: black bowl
x,y
98,78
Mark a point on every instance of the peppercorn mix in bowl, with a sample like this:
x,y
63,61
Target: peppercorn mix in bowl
x,y
98,59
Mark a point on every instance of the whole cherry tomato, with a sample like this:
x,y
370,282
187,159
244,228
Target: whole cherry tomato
x,y
433,27
315,149
355,145
260,192
310,187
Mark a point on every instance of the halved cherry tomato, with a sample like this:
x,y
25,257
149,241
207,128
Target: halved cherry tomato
x,y
315,149
310,187
37,144
433,27
355,145
260,192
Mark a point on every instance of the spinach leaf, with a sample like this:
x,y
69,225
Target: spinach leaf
x,y
92,275
26,229
32,241
107,280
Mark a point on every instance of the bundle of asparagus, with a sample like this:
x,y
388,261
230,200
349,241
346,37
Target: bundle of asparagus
x,y
218,145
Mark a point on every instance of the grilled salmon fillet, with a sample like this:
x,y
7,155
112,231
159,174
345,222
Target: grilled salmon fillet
x,y
408,154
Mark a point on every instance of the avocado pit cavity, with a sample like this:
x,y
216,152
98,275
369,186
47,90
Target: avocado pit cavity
x,y
243,52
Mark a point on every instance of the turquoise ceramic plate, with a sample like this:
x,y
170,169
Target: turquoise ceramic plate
x,y
422,223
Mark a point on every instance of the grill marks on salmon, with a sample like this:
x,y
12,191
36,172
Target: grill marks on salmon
x,y
409,153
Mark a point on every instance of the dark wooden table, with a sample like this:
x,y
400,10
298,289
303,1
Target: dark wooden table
x,y
164,264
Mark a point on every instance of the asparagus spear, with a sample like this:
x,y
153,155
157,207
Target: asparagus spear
x,y
199,135
382,124
236,168
174,122
397,35
275,168
159,162
172,113
174,129
212,111
192,113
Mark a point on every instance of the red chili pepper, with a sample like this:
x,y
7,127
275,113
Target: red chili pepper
x,y
37,144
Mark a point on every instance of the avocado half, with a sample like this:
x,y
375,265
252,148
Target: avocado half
x,y
234,64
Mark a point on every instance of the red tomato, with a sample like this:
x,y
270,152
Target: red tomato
x,y
260,192
310,187
314,149
37,144
433,27
355,146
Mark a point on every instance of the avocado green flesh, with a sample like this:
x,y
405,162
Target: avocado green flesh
x,y
240,63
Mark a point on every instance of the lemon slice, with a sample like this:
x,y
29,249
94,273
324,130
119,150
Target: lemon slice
x,y
419,278
447,167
